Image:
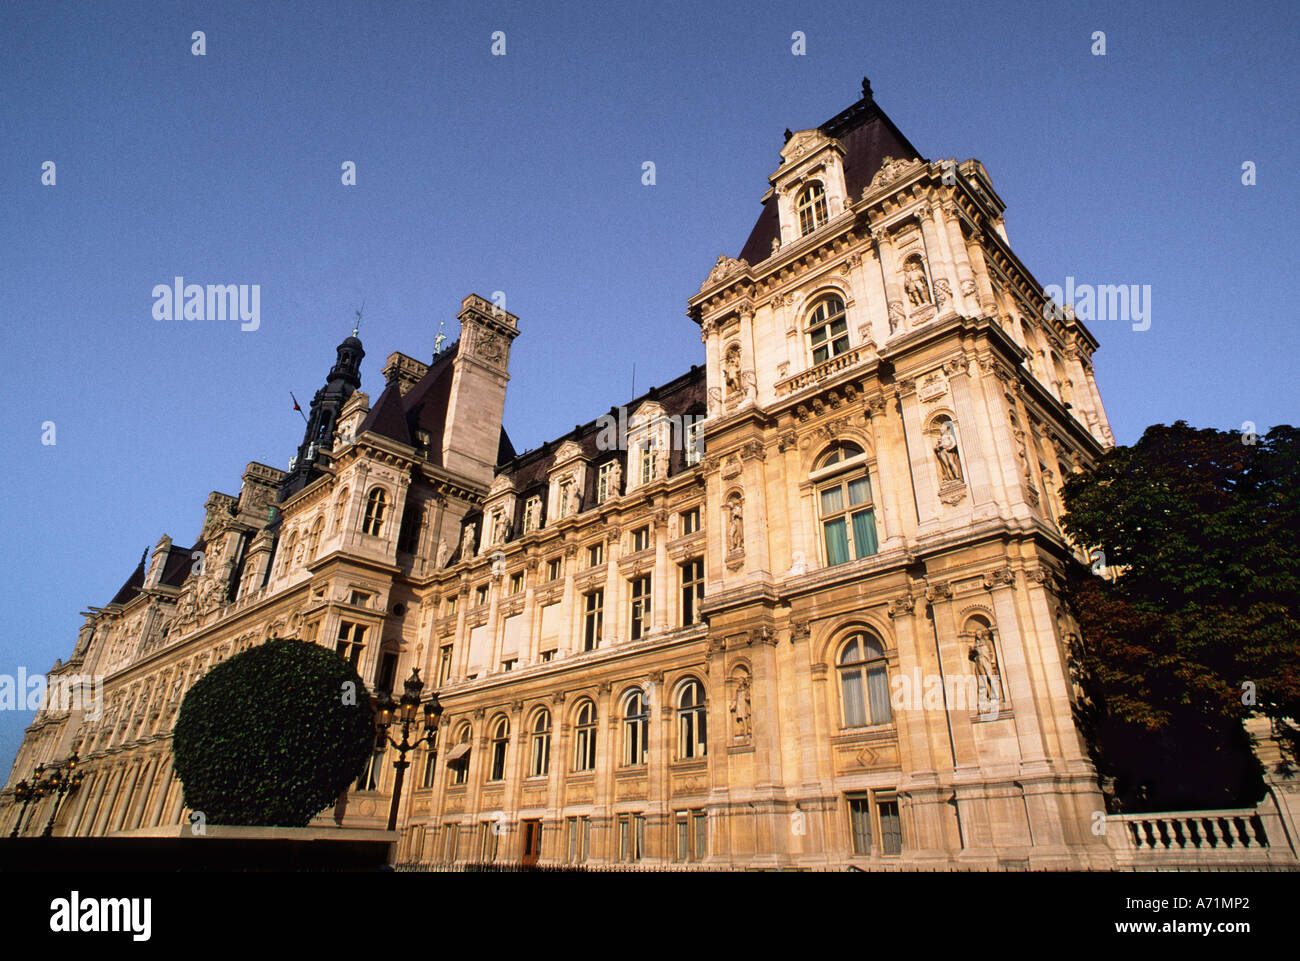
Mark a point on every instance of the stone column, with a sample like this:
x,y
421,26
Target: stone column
x,y
119,817
983,281
614,612
659,616
965,293
891,491
143,786
105,806
941,275
163,786
889,277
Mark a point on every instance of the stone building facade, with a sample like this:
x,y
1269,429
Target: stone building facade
x,y
798,607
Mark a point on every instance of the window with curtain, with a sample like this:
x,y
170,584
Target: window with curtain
x,y
585,738
500,741
541,753
636,728
846,506
828,329
864,681
812,208
692,723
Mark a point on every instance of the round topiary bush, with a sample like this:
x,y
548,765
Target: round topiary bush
x,y
273,735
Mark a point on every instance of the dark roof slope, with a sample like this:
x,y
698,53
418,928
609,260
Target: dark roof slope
x,y
868,137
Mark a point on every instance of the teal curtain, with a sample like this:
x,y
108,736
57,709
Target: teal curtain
x,y
837,542
864,533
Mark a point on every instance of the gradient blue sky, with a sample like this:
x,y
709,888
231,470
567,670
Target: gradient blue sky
x,y
522,174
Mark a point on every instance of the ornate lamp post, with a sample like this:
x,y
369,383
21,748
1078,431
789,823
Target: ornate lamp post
x,y
26,792
403,712
59,783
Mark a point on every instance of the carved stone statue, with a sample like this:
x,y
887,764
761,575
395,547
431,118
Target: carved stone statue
x,y
575,500
918,291
985,660
736,523
731,372
443,551
500,529
467,542
740,707
615,478
945,450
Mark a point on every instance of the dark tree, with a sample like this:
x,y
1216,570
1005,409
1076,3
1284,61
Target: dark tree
x,y
273,735
1200,626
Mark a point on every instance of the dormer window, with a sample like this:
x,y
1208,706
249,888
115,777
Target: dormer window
x,y
828,329
812,208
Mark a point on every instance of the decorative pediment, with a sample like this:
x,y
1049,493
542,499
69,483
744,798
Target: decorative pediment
x,y
502,484
891,170
803,144
725,267
647,413
568,451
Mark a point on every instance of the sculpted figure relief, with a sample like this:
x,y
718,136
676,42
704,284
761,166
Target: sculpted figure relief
x,y
985,660
736,523
741,706
467,543
945,450
441,558
918,291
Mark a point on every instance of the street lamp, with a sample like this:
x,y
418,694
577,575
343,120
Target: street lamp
x,y
403,712
26,792
59,783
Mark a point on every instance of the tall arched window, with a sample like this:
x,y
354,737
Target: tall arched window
x,y
376,507
636,728
541,752
458,758
812,208
340,508
845,504
500,741
864,681
313,538
585,755
290,545
828,329
692,721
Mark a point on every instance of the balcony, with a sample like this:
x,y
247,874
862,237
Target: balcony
x,y
1242,838
815,375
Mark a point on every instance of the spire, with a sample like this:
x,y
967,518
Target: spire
x,y
318,439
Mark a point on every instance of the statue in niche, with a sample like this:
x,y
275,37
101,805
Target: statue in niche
x,y
615,478
575,500
500,529
918,291
985,660
467,542
441,557
740,707
731,371
945,450
736,523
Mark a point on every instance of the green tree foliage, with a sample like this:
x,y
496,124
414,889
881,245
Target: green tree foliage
x,y
1198,630
273,735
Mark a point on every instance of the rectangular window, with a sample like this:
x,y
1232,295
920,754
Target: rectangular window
x,y
350,642
647,462
451,605
444,664
700,823
690,521
640,539
451,849
481,594
516,583
640,607
593,619
487,841
692,835
554,567
547,656
860,823
430,768
579,838
631,837
359,599
891,827
605,482
848,520
387,672
595,555
692,590
509,664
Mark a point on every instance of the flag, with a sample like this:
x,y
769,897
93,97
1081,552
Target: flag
x,y
295,405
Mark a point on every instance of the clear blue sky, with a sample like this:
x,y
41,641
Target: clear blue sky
x,y
522,174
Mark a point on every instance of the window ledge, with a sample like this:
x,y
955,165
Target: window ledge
x,y
815,375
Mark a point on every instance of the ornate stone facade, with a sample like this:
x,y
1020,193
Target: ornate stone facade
x,y
825,642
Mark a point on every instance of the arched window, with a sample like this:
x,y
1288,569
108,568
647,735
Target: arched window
x,y
846,505
290,544
636,728
340,508
376,507
458,757
864,681
585,756
692,721
828,329
313,538
541,752
812,208
500,741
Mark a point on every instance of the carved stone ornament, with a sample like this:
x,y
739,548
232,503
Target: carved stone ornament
x,y
890,170
904,604
724,268
914,281
938,591
931,387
